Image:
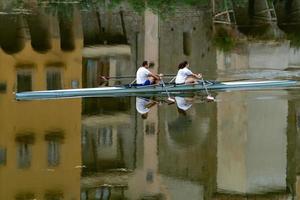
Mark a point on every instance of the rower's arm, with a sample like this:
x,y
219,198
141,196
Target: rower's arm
x,y
154,76
197,75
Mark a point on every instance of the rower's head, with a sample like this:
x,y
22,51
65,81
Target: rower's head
x,y
186,64
145,64
181,66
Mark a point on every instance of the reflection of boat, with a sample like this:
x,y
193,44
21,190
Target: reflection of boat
x,y
130,90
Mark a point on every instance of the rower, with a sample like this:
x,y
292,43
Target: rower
x,y
185,75
145,77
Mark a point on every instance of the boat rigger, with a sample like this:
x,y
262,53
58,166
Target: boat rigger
x,y
132,90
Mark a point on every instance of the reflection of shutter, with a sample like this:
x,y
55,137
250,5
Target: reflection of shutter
x,y
24,155
53,80
103,193
24,141
53,153
84,195
3,87
24,81
2,156
54,139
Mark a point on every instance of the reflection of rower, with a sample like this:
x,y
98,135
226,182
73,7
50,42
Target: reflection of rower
x,y
183,103
143,106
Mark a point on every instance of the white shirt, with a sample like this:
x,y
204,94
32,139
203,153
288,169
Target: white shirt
x,y
141,105
182,75
142,75
182,103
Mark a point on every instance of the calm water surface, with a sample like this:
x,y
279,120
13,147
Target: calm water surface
x,y
244,145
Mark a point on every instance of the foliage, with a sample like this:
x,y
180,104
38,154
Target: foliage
x,y
224,39
66,6
61,8
14,6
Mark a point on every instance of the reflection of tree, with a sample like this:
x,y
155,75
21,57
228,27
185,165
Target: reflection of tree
x,y
289,20
162,6
13,6
293,34
65,7
56,8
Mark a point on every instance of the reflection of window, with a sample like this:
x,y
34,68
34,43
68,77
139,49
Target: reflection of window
x,y
85,137
54,139
84,195
54,79
25,196
102,193
105,136
2,87
24,80
24,155
53,153
74,84
24,149
2,156
150,129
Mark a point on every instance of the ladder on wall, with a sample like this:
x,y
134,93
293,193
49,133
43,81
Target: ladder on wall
x,y
268,14
223,14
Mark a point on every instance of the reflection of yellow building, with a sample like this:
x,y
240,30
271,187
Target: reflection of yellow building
x,y
40,140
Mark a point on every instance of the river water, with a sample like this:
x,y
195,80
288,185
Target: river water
x,y
243,145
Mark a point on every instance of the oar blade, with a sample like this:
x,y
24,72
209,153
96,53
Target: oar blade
x,y
171,100
210,98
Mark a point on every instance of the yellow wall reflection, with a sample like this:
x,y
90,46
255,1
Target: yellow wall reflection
x,y
40,140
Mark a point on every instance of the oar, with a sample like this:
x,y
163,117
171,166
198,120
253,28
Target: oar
x,y
131,76
159,101
209,97
169,98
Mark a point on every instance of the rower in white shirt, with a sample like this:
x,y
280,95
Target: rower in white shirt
x,y
185,75
145,77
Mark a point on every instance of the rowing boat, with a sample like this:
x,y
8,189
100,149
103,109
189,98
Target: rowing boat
x,y
133,90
